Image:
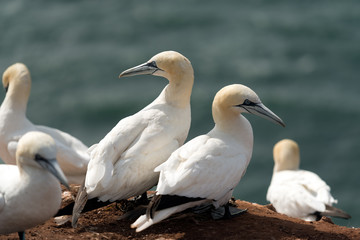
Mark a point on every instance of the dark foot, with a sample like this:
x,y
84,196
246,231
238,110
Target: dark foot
x,y
21,235
226,212
134,214
142,200
204,208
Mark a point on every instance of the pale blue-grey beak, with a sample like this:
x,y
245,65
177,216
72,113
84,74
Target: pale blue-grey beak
x,y
53,167
261,110
142,69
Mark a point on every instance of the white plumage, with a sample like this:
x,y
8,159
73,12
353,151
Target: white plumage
x,y
122,164
72,153
298,193
209,166
30,192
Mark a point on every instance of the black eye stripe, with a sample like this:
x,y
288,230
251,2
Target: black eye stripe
x,y
39,157
152,64
247,102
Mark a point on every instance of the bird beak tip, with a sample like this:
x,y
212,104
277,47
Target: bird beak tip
x,y
66,184
264,112
281,123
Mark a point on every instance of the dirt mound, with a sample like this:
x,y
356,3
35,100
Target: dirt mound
x,y
259,222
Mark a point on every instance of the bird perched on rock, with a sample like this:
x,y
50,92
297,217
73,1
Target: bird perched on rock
x,y
122,163
30,192
299,193
207,168
72,153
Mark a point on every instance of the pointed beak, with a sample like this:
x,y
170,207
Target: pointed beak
x,y
261,110
143,69
53,167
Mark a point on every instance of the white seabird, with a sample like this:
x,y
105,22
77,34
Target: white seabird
x,y
122,164
207,168
72,153
30,192
298,193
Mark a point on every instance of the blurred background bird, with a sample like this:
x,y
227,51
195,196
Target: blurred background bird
x,y
299,193
72,153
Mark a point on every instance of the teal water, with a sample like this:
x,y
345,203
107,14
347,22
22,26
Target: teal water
x,y
301,57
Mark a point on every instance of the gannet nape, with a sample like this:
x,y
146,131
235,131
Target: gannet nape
x,y
207,168
72,153
122,163
30,192
299,193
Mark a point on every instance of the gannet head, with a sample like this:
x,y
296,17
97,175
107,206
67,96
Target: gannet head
x,y
17,75
168,64
286,155
236,98
38,150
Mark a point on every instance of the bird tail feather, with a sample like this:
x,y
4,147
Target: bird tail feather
x,y
80,201
144,222
162,206
331,211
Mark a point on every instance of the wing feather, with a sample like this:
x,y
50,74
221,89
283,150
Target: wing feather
x,y
204,167
72,153
107,152
9,176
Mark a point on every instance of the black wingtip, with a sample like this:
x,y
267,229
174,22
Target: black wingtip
x,y
332,212
80,201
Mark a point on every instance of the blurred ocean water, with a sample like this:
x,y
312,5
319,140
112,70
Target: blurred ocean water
x,y
301,57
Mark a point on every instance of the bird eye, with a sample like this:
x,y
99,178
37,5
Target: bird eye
x,y
247,102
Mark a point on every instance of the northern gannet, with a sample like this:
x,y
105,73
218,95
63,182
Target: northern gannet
x,y
207,168
30,192
122,163
298,193
72,153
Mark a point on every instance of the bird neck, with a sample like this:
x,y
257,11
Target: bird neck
x,y
284,166
29,173
277,168
234,124
17,97
224,116
42,183
178,92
